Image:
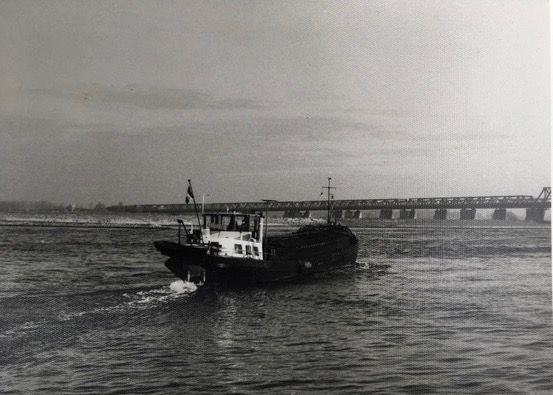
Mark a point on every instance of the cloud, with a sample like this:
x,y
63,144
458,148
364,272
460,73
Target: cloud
x,y
29,127
69,161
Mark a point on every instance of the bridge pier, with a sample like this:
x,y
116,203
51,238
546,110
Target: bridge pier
x,y
535,214
500,214
407,213
337,214
386,213
440,213
468,213
291,213
353,214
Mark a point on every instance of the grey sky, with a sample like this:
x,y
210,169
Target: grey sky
x,y
123,101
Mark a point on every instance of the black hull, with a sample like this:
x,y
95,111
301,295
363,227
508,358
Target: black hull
x,y
309,251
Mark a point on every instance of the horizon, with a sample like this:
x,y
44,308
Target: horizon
x,y
123,203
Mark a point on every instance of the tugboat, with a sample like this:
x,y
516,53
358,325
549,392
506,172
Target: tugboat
x,y
234,248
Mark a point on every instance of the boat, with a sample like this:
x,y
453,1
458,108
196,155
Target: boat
x,y
234,248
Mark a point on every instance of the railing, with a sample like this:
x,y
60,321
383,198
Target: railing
x,y
183,226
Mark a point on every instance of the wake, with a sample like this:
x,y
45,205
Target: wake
x,y
141,300
136,300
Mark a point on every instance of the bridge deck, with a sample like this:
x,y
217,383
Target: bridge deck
x,y
476,202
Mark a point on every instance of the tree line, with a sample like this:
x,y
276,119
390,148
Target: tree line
x,y
44,205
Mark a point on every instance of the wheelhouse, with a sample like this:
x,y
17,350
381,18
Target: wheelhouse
x,y
232,222
233,234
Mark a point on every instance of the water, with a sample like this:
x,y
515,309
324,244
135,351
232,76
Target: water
x,y
447,310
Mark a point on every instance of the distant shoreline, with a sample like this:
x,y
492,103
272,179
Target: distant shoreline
x,y
449,223
106,220
367,224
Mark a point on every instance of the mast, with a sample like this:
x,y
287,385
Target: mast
x,y
328,188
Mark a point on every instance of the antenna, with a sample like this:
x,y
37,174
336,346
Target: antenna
x,y
328,188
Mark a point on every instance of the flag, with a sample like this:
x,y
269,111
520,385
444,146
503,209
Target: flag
x,y
189,193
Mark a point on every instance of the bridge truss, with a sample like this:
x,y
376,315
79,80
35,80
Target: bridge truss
x,y
542,202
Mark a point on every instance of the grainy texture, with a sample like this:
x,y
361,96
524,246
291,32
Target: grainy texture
x,y
438,309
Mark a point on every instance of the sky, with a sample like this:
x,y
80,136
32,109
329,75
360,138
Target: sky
x,y
124,101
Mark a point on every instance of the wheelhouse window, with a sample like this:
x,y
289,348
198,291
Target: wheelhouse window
x,y
256,250
231,222
238,248
248,250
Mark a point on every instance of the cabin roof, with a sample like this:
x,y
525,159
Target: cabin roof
x,y
228,214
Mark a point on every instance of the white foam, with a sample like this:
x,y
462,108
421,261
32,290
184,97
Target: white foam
x,y
181,287
140,300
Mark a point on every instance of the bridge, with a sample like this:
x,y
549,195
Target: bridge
x,y
535,207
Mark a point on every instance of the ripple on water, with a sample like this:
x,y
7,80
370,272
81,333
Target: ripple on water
x,y
426,310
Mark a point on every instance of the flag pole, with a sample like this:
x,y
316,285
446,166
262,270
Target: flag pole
x,y
267,201
328,208
328,188
191,193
